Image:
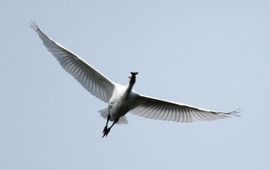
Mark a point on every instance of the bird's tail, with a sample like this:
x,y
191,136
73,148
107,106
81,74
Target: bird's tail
x,y
104,113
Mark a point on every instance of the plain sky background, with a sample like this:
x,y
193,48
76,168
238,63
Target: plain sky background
x,y
211,54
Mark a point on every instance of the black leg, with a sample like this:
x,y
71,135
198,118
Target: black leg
x,y
105,130
108,118
113,123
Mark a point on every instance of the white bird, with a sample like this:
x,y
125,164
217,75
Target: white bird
x,y
122,99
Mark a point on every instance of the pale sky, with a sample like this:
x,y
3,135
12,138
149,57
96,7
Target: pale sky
x,y
210,54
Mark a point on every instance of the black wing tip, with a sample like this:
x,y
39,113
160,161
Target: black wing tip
x,y
34,25
235,112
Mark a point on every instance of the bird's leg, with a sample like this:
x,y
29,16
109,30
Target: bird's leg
x,y
105,130
115,121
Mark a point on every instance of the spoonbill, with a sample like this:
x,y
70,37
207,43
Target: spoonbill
x,y
122,99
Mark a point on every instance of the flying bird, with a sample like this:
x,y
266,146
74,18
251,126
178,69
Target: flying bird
x,y
122,99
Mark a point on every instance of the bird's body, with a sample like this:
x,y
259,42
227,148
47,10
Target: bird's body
x,y
122,99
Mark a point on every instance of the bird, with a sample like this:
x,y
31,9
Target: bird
x,y
122,99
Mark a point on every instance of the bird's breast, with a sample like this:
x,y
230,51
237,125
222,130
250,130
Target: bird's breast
x,y
121,102
119,107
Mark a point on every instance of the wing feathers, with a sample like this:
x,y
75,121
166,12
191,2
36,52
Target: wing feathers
x,y
164,110
87,76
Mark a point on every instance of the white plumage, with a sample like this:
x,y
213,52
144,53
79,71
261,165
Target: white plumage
x,y
121,99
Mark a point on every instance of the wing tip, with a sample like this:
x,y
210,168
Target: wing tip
x,y
34,25
234,113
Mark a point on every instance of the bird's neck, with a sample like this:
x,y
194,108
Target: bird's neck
x,y
130,84
129,89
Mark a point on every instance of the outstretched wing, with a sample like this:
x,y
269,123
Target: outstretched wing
x,y
165,110
92,80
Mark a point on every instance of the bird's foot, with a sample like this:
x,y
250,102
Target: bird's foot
x,y
106,131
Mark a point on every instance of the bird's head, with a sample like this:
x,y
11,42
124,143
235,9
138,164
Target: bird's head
x,y
132,78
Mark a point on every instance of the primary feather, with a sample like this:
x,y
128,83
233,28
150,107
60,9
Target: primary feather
x,y
92,80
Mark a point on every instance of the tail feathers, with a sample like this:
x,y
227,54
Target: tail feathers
x,y
104,113
122,121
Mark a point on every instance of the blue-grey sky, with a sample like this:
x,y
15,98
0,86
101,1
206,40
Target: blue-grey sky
x,y
211,54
